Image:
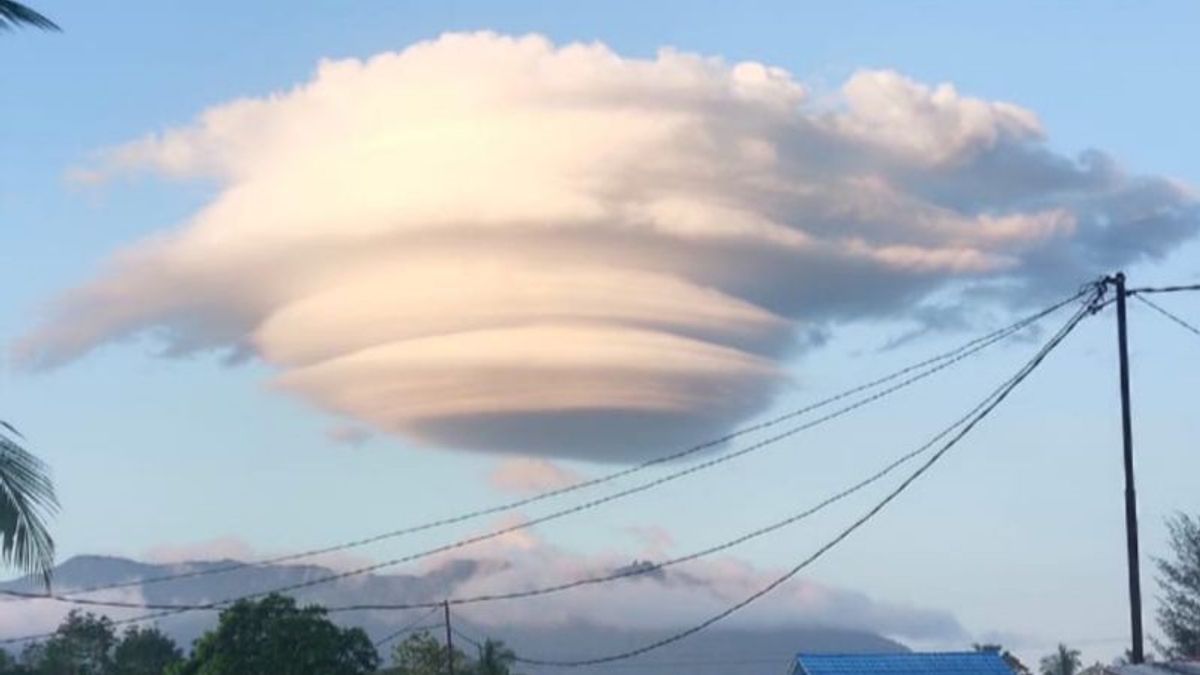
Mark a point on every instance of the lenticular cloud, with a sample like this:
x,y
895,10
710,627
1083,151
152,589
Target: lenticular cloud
x,y
499,244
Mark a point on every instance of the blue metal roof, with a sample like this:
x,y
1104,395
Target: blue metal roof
x,y
902,663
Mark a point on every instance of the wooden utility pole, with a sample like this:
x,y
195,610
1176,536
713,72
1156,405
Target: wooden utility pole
x,y
1137,650
449,640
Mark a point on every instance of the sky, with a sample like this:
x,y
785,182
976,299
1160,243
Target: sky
x,y
279,277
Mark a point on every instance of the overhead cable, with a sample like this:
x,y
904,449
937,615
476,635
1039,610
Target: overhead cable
x,y
995,401
526,524
411,627
1178,321
1162,289
947,359
944,358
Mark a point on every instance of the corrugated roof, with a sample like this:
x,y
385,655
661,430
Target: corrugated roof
x,y
907,663
1161,668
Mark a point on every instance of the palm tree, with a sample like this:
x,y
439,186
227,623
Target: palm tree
x,y
1064,661
26,500
494,658
14,14
26,493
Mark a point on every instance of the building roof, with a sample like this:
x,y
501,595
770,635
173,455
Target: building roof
x,y
1158,668
903,663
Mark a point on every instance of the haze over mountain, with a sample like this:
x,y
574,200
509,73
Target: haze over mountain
x,y
732,650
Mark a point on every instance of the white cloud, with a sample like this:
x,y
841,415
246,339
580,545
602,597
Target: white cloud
x,y
228,547
217,548
673,597
500,244
44,616
525,475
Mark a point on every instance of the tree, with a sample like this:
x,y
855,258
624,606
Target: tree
x,y
145,651
9,665
1179,579
1064,661
494,658
422,654
1014,664
273,636
13,14
27,500
82,645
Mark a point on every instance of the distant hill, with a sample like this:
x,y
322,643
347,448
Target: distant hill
x,y
731,651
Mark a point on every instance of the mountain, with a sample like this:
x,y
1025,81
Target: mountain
x,y
731,651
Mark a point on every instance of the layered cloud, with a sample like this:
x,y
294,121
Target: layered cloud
x,y
500,244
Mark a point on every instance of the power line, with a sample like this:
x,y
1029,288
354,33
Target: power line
x,y
1006,389
170,610
642,487
505,530
613,576
942,360
1162,289
629,572
1184,324
957,355
410,627
786,658
466,638
654,567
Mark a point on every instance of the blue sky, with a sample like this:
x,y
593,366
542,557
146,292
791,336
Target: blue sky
x,y
1017,534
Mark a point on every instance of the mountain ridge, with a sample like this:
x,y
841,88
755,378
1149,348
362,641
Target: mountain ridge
x,y
730,650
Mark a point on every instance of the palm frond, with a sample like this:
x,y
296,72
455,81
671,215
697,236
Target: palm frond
x,y
14,14
27,500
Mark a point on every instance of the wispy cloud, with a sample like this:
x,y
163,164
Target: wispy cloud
x,y
526,475
238,549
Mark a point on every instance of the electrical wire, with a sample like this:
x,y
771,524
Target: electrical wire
x,y
173,609
466,638
654,567
787,658
1163,289
461,543
624,573
410,627
1005,390
943,359
1184,324
957,355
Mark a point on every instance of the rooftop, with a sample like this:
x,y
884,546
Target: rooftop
x,y
903,663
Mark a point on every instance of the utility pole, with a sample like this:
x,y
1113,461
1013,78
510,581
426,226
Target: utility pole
x,y
450,640
1131,528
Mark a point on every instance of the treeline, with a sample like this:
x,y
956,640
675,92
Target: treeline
x,y
271,636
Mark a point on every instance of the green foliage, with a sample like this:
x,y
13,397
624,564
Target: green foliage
x,y
1179,580
268,637
1064,661
85,644
422,654
26,500
145,651
9,665
13,14
274,637
494,659
82,645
